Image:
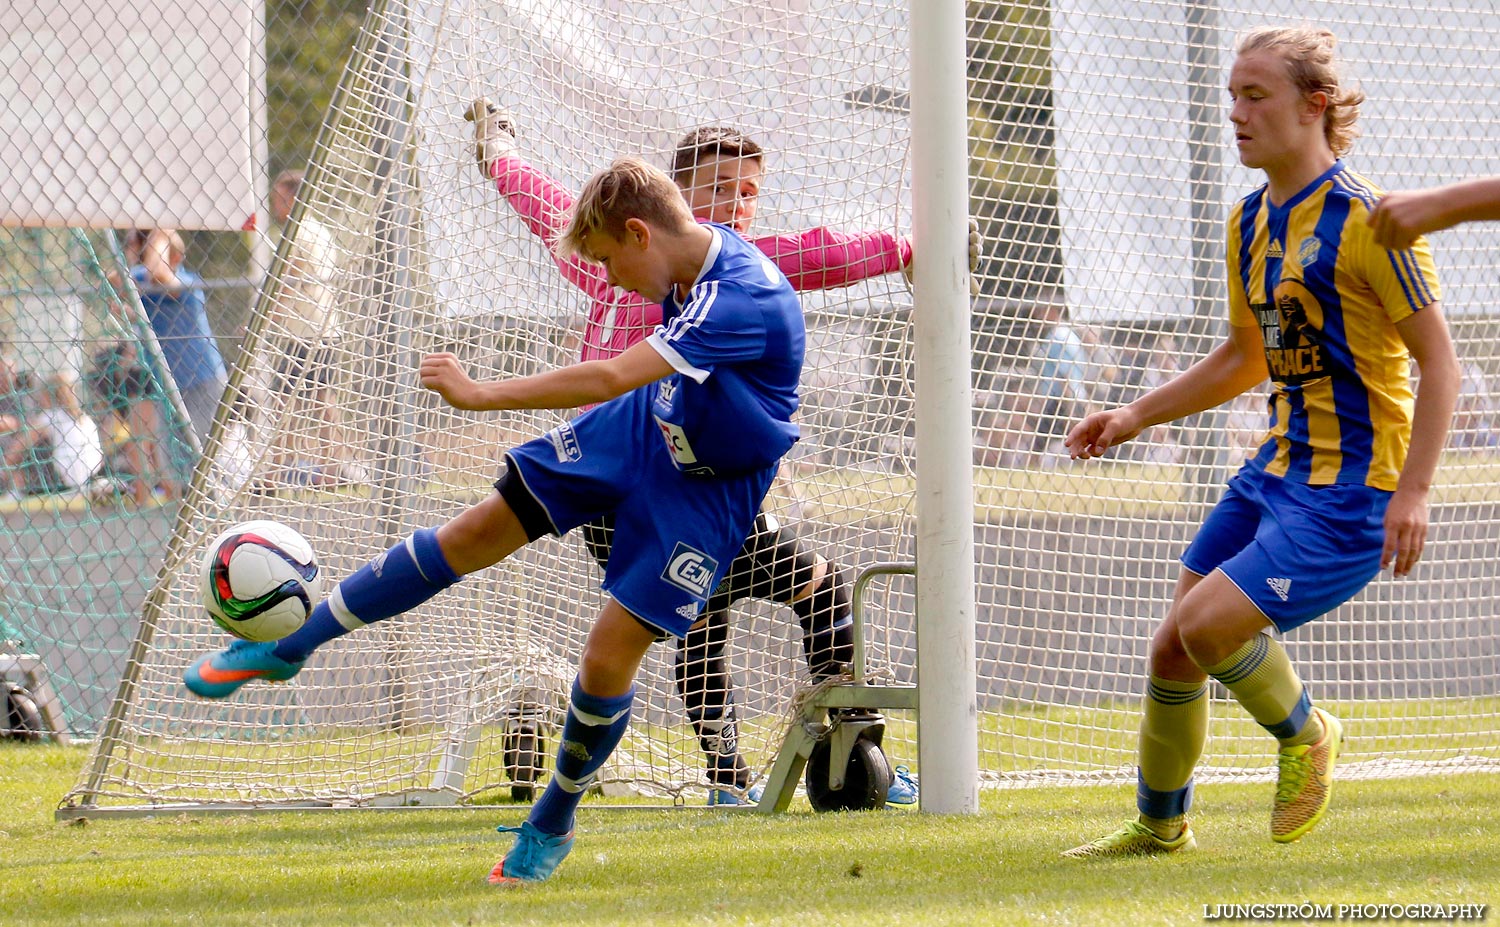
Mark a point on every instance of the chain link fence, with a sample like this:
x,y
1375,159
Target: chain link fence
x,y
98,441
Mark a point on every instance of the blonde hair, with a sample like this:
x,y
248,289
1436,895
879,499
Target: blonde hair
x,y
1313,66
627,189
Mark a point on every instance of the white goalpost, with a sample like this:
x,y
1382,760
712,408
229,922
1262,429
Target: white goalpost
x,y
947,711
1088,141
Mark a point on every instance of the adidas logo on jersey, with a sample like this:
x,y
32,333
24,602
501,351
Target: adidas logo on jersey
x,y
1281,587
1273,250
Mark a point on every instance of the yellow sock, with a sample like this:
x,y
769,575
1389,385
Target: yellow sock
x,y
1260,676
1174,727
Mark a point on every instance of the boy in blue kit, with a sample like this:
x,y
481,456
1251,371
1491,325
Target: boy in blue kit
x,y
692,425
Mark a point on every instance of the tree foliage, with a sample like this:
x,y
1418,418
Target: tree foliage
x,y
307,45
1013,175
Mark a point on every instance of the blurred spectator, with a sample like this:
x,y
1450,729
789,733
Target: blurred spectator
x,y
305,321
77,452
1103,375
175,301
1159,443
57,446
1474,418
1247,421
12,417
1005,421
1062,366
122,385
130,244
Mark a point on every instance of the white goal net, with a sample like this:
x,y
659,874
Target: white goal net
x,y
1101,174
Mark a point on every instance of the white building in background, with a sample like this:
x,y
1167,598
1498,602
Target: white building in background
x,y
1121,81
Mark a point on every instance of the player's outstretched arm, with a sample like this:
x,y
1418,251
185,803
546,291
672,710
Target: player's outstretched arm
x,y
1231,368
1426,336
1400,217
565,388
540,201
823,258
156,258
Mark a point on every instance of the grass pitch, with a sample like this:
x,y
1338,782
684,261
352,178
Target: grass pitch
x,y
1407,841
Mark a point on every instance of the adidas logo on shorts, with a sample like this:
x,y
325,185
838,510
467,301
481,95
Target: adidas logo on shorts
x,y
1281,587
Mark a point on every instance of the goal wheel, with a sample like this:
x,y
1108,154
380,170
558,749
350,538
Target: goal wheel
x,y
524,748
867,778
22,718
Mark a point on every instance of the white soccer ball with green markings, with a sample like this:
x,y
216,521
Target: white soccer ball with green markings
x,y
260,580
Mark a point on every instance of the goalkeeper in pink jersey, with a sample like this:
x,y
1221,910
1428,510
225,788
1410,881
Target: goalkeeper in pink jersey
x,y
719,172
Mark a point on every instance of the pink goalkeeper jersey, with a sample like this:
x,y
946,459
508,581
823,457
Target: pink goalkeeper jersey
x,y
816,259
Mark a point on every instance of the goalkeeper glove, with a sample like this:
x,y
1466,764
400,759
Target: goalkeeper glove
x,y
976,252
494,134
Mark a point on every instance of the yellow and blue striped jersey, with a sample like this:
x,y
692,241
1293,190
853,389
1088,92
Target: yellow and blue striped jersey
x,y
1326,299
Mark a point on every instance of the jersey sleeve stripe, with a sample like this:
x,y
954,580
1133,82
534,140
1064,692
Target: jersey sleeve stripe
x,y
678,362
1408,271
700,299
1403,278
1409,259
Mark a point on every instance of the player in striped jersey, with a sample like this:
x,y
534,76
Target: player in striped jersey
x,y
1338,491
719,172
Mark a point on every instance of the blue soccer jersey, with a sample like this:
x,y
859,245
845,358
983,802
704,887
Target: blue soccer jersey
x,y
737,343
683,507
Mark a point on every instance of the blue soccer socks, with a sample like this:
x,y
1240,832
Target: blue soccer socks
x,y
397,581
593,729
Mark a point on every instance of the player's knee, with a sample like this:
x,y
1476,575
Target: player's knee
x,y
1169,657
827,624
1203,638
789,572
604,671
820,579
825,600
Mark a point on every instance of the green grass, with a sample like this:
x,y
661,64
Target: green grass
x,y
1429,840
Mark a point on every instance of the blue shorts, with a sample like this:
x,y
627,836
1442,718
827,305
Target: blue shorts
x,y
1297,551
674,535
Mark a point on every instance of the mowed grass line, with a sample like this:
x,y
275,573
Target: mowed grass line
x,y
1428,840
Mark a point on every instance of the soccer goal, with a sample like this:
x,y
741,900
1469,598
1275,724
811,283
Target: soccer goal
x,y
1100,171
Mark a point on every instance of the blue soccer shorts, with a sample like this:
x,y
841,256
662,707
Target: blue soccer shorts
x,y
674,535
1297,551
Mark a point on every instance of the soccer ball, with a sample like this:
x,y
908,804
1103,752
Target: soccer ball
x,y
260,580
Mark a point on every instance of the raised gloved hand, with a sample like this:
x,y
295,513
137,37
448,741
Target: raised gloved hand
x,y
494,133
